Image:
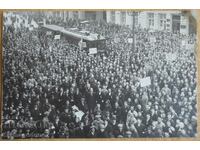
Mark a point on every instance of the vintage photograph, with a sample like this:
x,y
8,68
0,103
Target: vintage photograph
x,y
99,74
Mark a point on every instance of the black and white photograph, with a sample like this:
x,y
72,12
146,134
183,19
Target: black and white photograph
x,y
92,74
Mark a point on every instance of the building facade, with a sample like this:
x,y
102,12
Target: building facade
x,y
173,21
81,15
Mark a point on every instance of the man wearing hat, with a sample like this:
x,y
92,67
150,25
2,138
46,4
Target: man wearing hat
x,y
128,134
82,105
101,133
97,122
80,132
119,131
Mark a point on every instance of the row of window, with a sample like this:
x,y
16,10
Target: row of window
x,y
123,17
163,21
162,18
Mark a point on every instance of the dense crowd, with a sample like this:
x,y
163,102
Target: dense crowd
x,y
47,81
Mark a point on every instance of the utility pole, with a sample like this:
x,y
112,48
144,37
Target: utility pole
x,y
133,14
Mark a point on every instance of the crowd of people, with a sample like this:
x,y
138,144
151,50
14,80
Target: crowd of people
x,y
47,81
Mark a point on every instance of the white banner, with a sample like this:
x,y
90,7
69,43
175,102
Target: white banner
x,y
130,40
78,113
145,82
92,51
82,44
57,37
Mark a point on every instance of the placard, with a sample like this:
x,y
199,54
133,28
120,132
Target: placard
x,y
57,37
82,44
30,28
130,40
79,114
183,43
92,51
145,82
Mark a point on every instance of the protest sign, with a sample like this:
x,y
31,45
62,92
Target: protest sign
x,y
130,40
183,43
30,28
145,82
92,51
79,114
82,44
57,37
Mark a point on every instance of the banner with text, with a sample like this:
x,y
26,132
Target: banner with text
x,y
57,37
92,51
145,82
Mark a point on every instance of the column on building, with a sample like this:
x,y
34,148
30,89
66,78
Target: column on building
x,y
123,17
169,22
162,18
117,17
61,14
65,16
184,24
81,15
129,20
44,21
70,14
99,15
108,16
143,20
157,21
